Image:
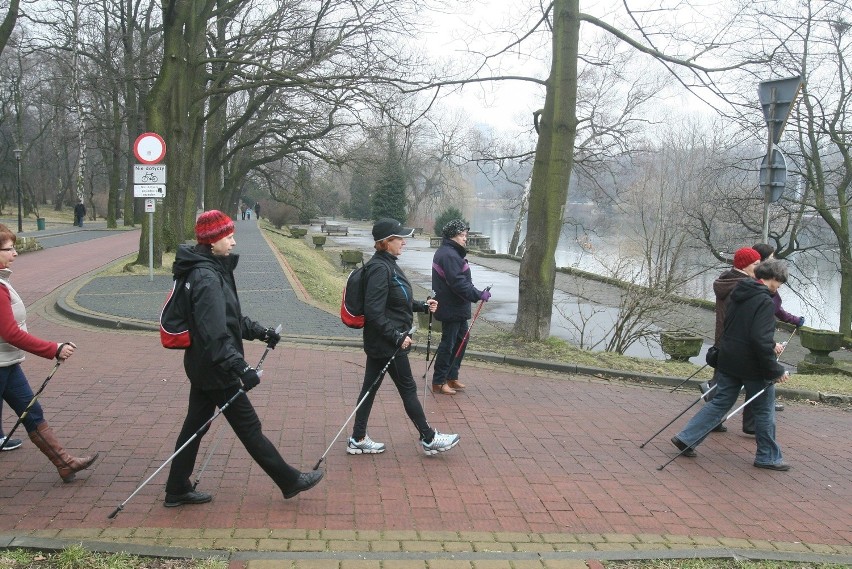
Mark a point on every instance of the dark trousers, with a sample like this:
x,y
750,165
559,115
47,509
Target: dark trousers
x,y
452,335
246,425
400,372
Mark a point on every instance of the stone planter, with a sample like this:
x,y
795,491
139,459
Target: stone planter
x,y
681,345
297,232
351,258
319,240
820,343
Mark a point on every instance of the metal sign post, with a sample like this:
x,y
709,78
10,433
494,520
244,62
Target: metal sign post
x,y
149,181
776,99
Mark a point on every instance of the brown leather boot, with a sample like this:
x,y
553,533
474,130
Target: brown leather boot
x,y
455,384
443,388
45,439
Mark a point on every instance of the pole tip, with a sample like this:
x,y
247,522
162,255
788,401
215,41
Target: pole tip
x,y
115,512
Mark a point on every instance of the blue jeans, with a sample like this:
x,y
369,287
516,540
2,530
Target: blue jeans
x,y
763,408
452,335
18,394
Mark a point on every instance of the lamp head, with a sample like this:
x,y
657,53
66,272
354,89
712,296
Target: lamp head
x,y
17,152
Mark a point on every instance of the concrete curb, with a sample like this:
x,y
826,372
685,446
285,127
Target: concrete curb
x,y
550,550
66,306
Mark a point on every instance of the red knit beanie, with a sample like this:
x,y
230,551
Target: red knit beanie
x,y
745,257
211,226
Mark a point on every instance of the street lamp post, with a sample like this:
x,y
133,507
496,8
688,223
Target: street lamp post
x,y
18,153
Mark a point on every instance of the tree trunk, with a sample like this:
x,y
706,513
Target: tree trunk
x,y
554,160
174,111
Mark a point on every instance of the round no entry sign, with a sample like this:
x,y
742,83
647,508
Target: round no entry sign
x,y
149,148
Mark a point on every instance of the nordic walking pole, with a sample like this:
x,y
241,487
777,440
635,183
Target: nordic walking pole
x,y
367,394
731,414
31,403
463,343
688,378
428,363
694,403
703,396
219,433
197,433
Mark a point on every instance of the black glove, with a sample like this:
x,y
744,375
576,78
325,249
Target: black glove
x,y
271,337
249,378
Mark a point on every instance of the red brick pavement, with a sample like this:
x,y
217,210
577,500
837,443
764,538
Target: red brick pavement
x,y
537,454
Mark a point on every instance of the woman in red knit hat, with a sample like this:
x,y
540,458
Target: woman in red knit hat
x,y
215,362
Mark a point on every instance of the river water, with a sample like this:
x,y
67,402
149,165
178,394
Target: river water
x,y
817,297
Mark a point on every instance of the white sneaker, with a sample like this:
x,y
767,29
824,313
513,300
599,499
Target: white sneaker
x,y
12,444
364,446
440,443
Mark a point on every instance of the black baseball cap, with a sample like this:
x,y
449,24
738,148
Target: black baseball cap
x,y
387,227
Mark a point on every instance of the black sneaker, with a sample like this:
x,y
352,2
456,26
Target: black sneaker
x,y
11,444
720,428
779,406
780,466
686,450
191,497
307,480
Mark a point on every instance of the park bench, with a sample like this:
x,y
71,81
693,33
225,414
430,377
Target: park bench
x,y
336,229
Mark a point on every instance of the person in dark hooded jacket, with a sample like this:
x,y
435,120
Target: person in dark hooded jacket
x,y
215,363
388,316
454,292
747,359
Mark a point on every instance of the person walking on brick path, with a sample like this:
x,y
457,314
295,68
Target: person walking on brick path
x,y
388,315
16,390
215,363
747,358
767,251
454,291
745,261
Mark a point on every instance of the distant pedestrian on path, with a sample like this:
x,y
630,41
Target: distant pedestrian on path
x,y
388,313
248,214
16,390
215,363
79,213
747,357
257,210
454,291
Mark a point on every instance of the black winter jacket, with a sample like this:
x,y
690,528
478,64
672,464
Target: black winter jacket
x,y
452,283
747,348
215,359
388,305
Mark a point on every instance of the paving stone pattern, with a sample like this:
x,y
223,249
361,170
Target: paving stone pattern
x,y
548,465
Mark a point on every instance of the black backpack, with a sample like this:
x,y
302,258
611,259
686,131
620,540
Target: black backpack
x,y
352,304
174,318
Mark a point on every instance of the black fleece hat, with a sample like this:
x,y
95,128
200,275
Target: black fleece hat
x,y
387,227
